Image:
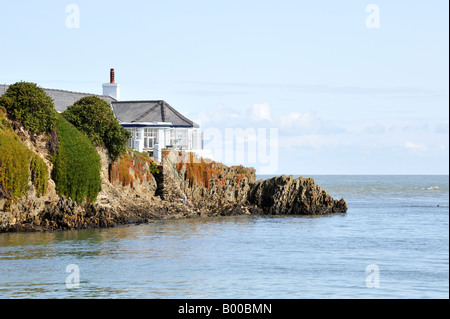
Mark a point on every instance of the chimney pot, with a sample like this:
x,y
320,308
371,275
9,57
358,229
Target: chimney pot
x,y
111,88
111,76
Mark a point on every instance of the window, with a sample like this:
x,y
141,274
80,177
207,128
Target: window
x,y
181,138
178,138
150,132
133,132
150,137
168,137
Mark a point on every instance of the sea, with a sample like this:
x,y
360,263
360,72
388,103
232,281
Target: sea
x,y
393,243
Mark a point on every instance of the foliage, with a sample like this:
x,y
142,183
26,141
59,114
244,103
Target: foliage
x,y
142,166
154,170
115,139
14,165
94,116
144,158
16,162
76,164
39,174
120,171
30,105
200,172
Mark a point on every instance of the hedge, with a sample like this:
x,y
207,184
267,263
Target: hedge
x,y
77,165
16,164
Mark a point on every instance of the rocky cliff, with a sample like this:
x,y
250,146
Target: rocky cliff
x,y
135,190
286,195
216,189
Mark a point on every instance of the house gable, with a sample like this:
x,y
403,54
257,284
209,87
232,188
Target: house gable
x,y
152,111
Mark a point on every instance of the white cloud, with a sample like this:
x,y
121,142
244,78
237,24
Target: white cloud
x,y
306,130
219,117
416,146
296,120
259,112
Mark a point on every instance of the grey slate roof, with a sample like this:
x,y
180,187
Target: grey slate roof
x,y
149,112
61,98
126,111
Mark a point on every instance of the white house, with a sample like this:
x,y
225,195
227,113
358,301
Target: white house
x,y
154,124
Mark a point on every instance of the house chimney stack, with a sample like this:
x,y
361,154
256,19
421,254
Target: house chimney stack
x,y
111,89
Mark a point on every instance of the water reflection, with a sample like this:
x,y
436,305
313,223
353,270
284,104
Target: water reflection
x,y
174,237
26,239
225,257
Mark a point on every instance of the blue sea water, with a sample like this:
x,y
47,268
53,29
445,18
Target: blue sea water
x,y
392,243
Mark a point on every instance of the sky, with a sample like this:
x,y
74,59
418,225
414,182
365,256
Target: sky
x,y
288,87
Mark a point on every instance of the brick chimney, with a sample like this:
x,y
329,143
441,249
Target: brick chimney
x,y
111,89
111,76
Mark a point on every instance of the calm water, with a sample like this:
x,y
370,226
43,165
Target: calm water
x,y
393,222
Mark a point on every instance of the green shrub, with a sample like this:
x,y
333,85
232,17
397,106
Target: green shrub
x,y
153,168
16,163
94,116
76,165
39,174
14,166
30,105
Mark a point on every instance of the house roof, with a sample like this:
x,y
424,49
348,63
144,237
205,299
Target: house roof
x,y
129,112
61,98
149,112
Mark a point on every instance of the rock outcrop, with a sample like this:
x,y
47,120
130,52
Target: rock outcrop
x,y
288,196
182,187
216,189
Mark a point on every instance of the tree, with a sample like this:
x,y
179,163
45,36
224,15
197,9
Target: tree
x,y
29,104
95,118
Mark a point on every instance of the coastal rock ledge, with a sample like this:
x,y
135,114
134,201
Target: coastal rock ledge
x,y
285,195
183,188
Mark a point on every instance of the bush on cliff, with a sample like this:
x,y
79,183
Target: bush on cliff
x,y
17,162
29,104
94,116
39,174
77,164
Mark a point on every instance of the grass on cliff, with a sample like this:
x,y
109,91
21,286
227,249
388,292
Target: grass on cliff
x,y
201,172
142,166
17,163
198,172
77,165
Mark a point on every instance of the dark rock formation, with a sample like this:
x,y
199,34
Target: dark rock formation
x,y
288,196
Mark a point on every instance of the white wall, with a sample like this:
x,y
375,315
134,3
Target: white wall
x,y
111,89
